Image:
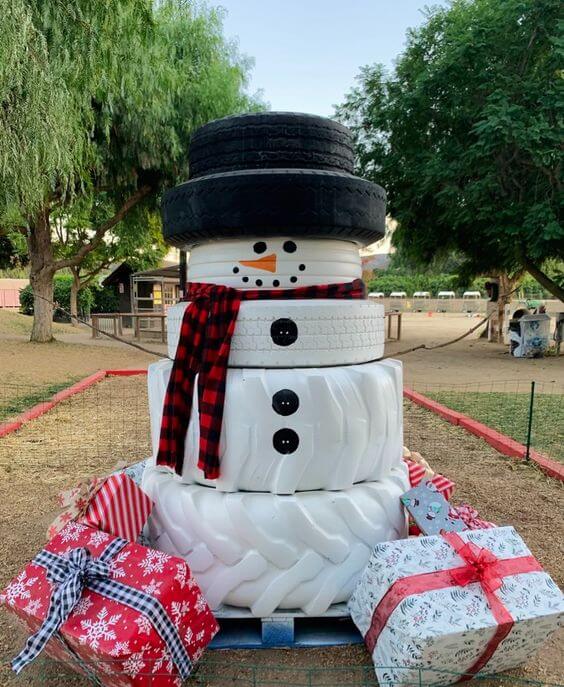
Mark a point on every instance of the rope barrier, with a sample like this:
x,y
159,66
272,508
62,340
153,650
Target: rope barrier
x,y
419,347
56,306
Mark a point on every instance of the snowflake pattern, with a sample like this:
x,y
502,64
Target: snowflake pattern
x,y
83,606
153,588
72,532
119,649
33,607
164,659
179,610
97,538
201,605
188,636
180,576
144,625
135,663
98,629
116,569
19,588
153,562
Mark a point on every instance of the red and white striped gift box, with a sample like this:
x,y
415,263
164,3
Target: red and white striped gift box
x,y
119,507
417,473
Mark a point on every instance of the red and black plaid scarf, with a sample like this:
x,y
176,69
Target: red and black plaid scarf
x,y
203,349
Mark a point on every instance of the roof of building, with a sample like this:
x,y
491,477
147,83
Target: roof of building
x,y
172,271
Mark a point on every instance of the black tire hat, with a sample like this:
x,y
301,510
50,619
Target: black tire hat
x,y
271,140
303,202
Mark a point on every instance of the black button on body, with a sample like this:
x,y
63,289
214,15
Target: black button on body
x,y
284,332
285,402
285,441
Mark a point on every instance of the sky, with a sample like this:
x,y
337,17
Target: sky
x,y
308,52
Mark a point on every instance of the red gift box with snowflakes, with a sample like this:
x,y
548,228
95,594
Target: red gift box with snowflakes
x,y
119,644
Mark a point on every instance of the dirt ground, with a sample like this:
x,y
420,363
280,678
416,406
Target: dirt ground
x,y
472,360
58,449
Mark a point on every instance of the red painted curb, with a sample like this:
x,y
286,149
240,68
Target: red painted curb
x,y
9,427
124,373
452,416
551,467
41,408
501,442
81,385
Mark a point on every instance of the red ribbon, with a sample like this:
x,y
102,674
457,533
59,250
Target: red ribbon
x,y
481,566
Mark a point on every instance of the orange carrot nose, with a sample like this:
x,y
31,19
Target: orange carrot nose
x,y
267,263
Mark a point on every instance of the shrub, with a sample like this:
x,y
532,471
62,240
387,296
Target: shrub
x,y
61,295
106,299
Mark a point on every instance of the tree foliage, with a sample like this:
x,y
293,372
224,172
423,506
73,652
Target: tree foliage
x,y
98,101
466,135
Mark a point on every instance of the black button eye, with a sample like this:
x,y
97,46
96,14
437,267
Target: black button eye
x,y
289,246
259,247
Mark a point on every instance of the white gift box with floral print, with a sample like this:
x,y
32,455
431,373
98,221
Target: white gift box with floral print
x,y
423,616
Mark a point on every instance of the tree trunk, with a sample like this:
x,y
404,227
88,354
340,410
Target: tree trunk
x,y
543,279
41,275
75,288
506,286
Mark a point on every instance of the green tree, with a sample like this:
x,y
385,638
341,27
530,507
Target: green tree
x,y
466,136
137,239
98,100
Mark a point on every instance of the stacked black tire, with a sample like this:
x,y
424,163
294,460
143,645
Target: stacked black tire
x,y
273,174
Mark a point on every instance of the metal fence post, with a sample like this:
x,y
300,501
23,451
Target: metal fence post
x,y
530,421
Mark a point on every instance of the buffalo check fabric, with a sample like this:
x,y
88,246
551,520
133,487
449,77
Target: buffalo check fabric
x,y
203,351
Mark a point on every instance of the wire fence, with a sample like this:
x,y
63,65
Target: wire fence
x,y
531,413
110,420
214,673
105,424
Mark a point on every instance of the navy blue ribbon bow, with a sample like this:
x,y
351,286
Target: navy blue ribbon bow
x,y
70,575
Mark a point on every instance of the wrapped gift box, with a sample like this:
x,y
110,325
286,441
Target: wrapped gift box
x,y
434,607
115,504
112,638
417,472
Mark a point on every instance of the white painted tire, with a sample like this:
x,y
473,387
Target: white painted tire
x,y
311,261
347,422
321,332
266,552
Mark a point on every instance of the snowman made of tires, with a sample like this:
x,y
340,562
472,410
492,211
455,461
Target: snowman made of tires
x,y
311,465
